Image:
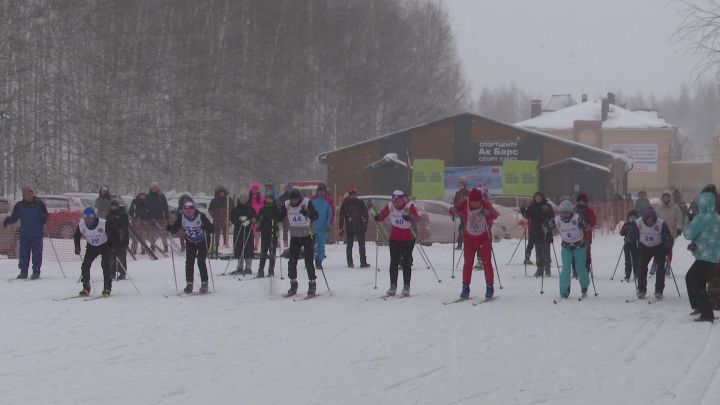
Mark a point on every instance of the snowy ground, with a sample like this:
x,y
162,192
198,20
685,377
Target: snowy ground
x,y
245,345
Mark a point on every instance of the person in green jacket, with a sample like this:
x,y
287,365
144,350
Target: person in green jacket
x,y
704,232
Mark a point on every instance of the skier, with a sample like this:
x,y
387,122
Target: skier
x,y
654,242
33,216
630,233
539,214
197,228
571,227
582,207
477,213
285,196
243,219
102,203
530,245
669,212
460,195
403,215
323,225
300,212
703,232
100,237
117,219
353,224
268,224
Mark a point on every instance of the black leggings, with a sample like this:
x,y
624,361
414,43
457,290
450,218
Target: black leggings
x,y
308,244
696,280
645,255
194,250
92,252
267,249
401,251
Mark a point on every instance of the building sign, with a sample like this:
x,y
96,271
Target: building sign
x,y
487,177
643,155
520,177
428,179
498,152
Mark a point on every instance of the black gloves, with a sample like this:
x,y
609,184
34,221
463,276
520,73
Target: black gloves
x,y
304,211
77,251
406,217
692,247
679,232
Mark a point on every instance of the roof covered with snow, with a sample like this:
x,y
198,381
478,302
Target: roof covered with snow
x,y
618,118
579,161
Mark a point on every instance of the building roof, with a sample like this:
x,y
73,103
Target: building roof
x,y
618,118
323,156
559,101
579,161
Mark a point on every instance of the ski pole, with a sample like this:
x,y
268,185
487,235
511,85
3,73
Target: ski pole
x,y
542,282
452,246
525,253
430,266
57,258
616,265
462,252
377,241
673,277
172,256
127,277
557,263
492,253
522,238
212,278
592,278
280,257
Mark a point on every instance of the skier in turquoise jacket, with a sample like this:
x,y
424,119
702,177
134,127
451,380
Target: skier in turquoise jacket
x,y
321,227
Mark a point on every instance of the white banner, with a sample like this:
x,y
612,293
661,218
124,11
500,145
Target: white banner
x,y
643,155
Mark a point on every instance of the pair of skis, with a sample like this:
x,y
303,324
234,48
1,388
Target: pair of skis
x,y
297,297
561,299
84,297
475,301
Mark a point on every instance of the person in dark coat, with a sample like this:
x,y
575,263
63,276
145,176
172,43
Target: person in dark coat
x,y
159,215
631,233
353,224
138,214
117,218
268,224
219,208
243,218
102,203
539,214
33,215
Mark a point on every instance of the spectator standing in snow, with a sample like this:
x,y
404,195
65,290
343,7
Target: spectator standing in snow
x,y
102,203
33,216
323,224
243,218
353,224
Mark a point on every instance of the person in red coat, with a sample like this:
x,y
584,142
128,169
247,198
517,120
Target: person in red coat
x,y
478,215
582,207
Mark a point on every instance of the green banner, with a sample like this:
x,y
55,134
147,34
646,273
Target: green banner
x,y
520,177
428,179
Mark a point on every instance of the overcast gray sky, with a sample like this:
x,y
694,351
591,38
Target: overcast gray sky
x,y
572,46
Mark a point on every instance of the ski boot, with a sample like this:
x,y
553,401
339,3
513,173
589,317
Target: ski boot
x,y
641,295
188,288
311,288
547,271
350,264
695,312
392,290
527,261
35,275
85,291
318,264
465,294
121,276
106,293
238,270
364,264
247,272
539,273
260,273
203,287
22,276
271,273
658,295
705,319
489,291
583,292
293,288
459,246
405,291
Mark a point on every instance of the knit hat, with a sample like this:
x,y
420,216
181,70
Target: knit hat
x,y
475,195
398,193
582,197
255,186
648,214
321,187
89,212
27,187
566,206
352,190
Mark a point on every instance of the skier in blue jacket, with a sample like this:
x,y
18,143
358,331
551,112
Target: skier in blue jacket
x,y
33,216
322,226
703,231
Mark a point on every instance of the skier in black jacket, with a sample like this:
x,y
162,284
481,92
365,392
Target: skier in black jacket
x,y
158,214
101,237
197,228
243,219
353,223
117,218
300,212
540,214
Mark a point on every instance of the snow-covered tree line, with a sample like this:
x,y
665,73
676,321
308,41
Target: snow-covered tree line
x,y
197,93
